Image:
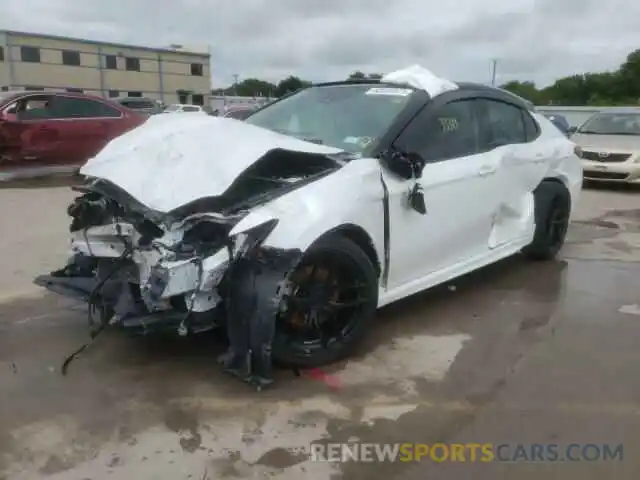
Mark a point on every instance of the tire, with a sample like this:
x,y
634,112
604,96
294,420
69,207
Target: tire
x,y
552,205
298,356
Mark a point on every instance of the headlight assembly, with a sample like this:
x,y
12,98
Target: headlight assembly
x,y
246,241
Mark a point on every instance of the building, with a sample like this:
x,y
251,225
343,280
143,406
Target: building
x,y
30,61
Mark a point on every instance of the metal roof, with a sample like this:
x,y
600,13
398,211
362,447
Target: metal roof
x,y
107,44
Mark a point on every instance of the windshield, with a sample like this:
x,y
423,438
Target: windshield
x,y
349,117
612,124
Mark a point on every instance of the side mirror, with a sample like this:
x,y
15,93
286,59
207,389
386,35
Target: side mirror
x,y
406,165
572,130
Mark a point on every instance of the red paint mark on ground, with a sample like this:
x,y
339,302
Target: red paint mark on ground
x,y
332,381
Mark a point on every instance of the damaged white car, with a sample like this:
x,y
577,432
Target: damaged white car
x,y
291,228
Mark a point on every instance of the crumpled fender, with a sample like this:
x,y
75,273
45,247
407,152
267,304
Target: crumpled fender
x,y
352,195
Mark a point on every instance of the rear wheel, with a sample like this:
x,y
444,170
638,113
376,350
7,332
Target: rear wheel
x,y
332,298
552,211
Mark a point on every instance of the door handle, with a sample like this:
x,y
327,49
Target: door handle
x,y
486,170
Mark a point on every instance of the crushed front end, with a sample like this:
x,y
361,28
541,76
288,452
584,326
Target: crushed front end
x,y
145,272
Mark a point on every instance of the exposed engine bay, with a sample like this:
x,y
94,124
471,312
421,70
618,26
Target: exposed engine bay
x,y
183,270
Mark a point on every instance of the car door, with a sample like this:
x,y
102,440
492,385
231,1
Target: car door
x,y
509,133
458,189
84,126
30,138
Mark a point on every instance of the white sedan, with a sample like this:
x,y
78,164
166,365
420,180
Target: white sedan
x,y
180,108
291,228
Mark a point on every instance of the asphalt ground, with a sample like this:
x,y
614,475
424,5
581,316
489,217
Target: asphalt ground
x,y
515,355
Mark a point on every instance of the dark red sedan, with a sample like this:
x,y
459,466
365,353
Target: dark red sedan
x,y
51,132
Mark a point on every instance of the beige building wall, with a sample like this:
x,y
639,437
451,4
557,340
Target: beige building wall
x,y
5,78
160,73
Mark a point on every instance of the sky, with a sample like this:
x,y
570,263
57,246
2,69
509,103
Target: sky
x,y
320,40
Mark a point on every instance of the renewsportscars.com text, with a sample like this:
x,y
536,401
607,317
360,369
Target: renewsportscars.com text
x,y
467,452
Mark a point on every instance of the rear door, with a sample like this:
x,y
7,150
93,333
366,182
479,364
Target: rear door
x,y
86,124
509,135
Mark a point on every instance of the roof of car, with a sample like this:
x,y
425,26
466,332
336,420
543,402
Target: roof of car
x,y
13,95
461,85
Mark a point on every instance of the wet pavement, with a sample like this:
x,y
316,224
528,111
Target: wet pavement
x,y
518,353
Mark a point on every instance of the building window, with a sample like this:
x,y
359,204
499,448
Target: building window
x,y
182,98
75,90
196,69
111,62
1,54
34,89
134,94
132,64
197,99
30,54
114,93
4,89
71,58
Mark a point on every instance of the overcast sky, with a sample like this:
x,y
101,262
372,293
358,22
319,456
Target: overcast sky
x,y
538,40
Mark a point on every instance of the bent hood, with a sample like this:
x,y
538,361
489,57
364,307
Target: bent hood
x,y
172,160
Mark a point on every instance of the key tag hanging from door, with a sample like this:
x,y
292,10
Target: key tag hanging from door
x,y
416,193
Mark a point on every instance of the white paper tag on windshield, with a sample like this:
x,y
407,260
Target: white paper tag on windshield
x,y
396,92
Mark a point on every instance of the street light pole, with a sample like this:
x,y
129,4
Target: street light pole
x,y
235,84
494,64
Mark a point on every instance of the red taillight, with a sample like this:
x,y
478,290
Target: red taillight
x,y
578,151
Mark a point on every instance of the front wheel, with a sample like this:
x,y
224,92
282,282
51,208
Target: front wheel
x,y
332,298
552,212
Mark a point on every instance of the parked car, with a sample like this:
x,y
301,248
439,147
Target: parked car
x,y
560,122
239,113
142,105
180,108
43,133
292,227
610,143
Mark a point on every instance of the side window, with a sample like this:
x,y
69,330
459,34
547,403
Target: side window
x,y
504,123
65,107
450,132
33,108
531,128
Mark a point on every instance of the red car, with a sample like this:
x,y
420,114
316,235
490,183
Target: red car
x,y
49,132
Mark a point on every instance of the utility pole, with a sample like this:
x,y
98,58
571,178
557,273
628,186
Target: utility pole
x,y
235,84
494,64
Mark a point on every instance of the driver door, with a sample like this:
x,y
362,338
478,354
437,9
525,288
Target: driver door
x,y
30,138
459,195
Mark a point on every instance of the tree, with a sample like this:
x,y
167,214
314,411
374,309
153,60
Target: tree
x,y
526,90
619,87
357,75
289,85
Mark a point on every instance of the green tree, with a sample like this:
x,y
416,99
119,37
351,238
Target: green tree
x,y
526,90
289,85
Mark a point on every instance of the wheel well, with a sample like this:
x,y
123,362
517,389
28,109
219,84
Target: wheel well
x,y
361,238
558,181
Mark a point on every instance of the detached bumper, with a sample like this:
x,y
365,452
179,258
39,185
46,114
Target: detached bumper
x,y
79,288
